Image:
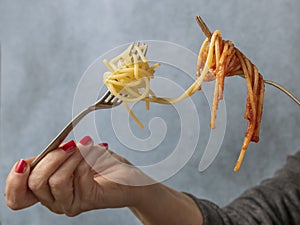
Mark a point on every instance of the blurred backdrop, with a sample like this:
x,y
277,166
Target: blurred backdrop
x,y
47,45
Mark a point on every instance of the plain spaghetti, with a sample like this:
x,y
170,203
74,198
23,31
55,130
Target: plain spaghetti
x,y
129,77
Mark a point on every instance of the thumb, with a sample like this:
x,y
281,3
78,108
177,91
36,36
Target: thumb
x,y
18,195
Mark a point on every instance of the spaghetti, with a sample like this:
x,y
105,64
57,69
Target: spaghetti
x,y
223,60
129,77
130,74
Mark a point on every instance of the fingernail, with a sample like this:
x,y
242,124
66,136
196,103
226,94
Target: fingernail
x,y
21,166
86,140
69,146
104,145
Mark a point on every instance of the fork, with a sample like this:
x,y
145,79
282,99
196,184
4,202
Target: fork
x,y
208,34
107,101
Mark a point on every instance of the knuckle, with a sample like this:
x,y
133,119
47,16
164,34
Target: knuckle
x,y
56,182
53,209
36,184
71,212
83,168
52,155
13,205
119,158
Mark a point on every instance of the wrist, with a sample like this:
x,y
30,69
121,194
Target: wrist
x,y
140,197
159,204
145,201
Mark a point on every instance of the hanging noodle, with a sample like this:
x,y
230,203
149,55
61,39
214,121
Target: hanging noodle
x,y
130,74
223,60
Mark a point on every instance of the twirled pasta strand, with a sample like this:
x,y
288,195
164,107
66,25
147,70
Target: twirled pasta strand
x,y
224,60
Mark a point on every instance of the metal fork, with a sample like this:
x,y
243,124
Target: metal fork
x,y
107,101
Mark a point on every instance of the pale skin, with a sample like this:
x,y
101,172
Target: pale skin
x,y
66,182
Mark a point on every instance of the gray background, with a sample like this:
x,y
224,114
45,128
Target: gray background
x,y
47,45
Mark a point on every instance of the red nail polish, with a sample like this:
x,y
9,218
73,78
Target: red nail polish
x,y
21,166
69,146
104,145
86,140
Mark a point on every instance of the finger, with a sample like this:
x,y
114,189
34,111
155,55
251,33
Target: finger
x,y
88,163
114,168
108,160
17,194
84,180
38,180
61,182
102,148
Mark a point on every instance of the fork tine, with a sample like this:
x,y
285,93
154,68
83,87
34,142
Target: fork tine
x,y
145,50
131,47
111,96
115,101
106,94
139,44
143,44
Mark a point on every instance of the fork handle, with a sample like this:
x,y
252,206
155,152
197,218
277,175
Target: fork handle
x,y
61,136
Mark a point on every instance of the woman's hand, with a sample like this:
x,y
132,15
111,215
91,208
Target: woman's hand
x,y
81,177
74,179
